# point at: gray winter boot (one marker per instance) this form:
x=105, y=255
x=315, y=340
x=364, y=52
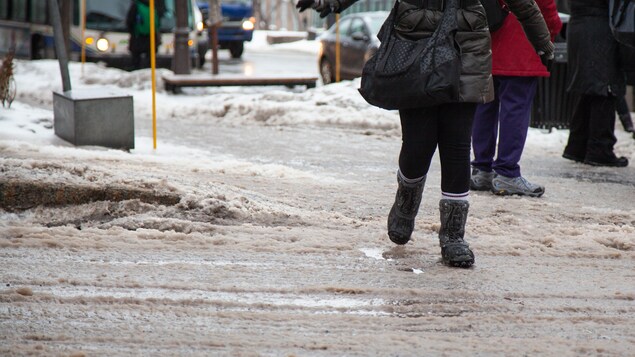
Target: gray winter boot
x=454, y=250
x=401, y=219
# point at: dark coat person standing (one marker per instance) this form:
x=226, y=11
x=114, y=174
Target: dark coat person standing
x=138, y=25
x=598, y=80
x=627, y=61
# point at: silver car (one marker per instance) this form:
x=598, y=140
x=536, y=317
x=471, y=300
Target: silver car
x=358, y=41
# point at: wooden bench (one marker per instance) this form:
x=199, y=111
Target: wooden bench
x=174, y=82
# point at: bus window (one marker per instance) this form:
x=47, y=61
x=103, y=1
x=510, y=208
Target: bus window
x=111, y=15
x=38, y=11
x=107, y=15
x=18, y=10
x=4, y=9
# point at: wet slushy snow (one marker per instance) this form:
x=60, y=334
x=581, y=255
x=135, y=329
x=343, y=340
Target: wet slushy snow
x=278, y=244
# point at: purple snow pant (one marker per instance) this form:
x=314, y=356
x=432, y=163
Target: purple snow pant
x=506, y=118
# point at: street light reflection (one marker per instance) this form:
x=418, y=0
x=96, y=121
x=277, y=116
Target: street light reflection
x=249, y=69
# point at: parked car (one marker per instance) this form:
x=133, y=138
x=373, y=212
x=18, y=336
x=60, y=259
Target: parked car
x=358, y=41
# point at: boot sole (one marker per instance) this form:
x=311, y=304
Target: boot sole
x=398, y=240
x=511, y=193
x=475, y=187
x=606, y=164
x=461, y=262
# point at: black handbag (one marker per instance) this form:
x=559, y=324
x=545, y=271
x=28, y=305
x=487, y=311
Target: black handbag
x=405, y=74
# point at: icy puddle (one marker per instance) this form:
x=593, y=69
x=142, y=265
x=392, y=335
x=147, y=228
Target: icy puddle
x=378, y=253
x=375, y=253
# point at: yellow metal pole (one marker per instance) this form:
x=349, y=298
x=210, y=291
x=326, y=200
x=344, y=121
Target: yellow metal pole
x=153, y=70
x=337, y=47
x=83, y=34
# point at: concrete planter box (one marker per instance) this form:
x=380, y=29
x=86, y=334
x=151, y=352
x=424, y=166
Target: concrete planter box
x=94, y=117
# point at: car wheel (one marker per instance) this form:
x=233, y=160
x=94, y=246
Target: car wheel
x=326, y=72
x=236, y=50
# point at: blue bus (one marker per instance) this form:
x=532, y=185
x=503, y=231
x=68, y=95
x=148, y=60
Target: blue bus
x=237, y=25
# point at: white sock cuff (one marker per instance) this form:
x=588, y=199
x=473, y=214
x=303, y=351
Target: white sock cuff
x=465, y=196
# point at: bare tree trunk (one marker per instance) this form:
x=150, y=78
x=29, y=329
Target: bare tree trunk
x=214, y=19
x=257, y=13
x=181, y=60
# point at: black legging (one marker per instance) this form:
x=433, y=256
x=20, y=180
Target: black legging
x=450, y=127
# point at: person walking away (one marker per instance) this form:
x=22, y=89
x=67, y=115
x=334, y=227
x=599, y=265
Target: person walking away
x=138, y=25
x=627, y=63
x=515, y=69
x=597, y=80
x=447, y=126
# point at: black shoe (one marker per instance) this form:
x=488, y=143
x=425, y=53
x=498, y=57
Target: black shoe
x=573, y=157
x=401, y=219
x=611, y=162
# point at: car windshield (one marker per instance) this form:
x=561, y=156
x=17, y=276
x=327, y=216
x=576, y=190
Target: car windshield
x=375, y=24
x=237, y=2
x=374, y=20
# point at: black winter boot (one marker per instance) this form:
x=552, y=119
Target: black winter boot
x=454, y=250
x=401, y=219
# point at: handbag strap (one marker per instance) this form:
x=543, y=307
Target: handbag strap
x=447, y=25
x=389, y=24
x=448, y=22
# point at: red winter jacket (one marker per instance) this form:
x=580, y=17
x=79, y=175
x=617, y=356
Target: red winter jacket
x=512, y=54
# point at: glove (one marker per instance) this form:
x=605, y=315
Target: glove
x=304, y=4
x=324, y=7
x=546, y=55
x=547, y=60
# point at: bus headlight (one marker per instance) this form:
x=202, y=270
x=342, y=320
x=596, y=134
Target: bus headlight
x=199, y=26
x=103, y=45
x=248, y=25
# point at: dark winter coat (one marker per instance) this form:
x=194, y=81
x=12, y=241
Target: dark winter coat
x=512, y=54
x=594, y=63
x=473, y=38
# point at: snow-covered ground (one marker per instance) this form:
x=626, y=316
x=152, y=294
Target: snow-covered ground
x=276, y=243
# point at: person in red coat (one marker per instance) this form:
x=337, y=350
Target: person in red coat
x=515, y=69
